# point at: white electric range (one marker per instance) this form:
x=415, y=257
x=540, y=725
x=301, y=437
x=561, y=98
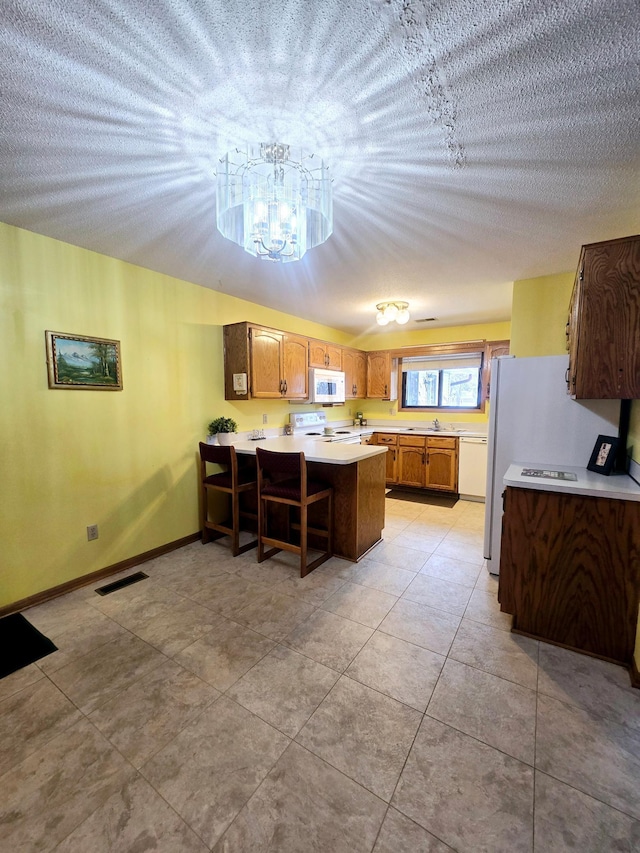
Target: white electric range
x=314, y=425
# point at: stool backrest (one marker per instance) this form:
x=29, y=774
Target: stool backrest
x=281, y=466
x=215, y=453
x=218, y=455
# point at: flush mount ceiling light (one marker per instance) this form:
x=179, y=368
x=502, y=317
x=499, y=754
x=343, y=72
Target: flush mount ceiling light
x=273, y=201
x=389, y=311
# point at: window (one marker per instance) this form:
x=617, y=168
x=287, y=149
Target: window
x=451, y=381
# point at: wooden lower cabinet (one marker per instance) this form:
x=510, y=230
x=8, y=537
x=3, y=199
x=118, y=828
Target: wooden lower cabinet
x=412, y=460
x=570, y=570
x=422, y=462
x=382, y=439
x=442, y=464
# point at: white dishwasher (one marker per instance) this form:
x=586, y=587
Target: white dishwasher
x=472, y=468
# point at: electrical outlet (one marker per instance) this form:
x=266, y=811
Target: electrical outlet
x=264, y=419
x=392, y=411
x=92, y=532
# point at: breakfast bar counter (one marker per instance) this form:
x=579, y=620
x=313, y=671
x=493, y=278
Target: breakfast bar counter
x=357, y=474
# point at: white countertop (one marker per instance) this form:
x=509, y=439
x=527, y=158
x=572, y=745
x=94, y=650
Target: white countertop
x=616, y=486
x=449, y=433
x=333, y=452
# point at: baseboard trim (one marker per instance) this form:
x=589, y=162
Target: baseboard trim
x=634, y=674
x=85, y=580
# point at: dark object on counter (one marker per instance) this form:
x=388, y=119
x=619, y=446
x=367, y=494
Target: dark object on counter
x=604, y=454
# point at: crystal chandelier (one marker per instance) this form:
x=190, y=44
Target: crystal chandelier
x=274, y=202
x=389, y=311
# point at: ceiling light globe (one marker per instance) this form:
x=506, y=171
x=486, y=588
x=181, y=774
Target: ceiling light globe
x=403, y=316
x=391, y=311
x=381, y=318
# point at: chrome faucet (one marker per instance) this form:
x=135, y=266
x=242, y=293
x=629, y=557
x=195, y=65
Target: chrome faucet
x=436, y=424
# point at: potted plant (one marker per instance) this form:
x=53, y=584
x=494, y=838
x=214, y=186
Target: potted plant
x=223, y=428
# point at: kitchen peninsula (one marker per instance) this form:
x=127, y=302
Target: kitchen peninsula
x=357, y=474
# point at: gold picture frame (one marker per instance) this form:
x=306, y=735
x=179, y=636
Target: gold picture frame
x=81, y=362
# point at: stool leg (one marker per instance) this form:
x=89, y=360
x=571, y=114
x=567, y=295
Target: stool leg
x=261, y=528
x=235, y=523
x=204, y=515
x=303, y=539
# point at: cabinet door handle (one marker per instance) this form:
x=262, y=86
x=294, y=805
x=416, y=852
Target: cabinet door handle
x=385, y=390
x=285, y=386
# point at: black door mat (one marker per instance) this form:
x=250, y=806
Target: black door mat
x=21, y=644
x=112, y=587
x=422, y=498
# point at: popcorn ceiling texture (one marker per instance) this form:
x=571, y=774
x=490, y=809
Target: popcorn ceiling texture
x=471, y=142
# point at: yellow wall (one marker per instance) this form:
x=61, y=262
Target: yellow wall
x=122, y=460
x=539, y=315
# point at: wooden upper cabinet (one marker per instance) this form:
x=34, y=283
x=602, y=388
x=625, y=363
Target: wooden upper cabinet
x=295, y=372
x=273, y=363
x=492, y=349
x=266, y=363
x=604, y=322
x=381, y=379
x=354, y=364
x=322, y=354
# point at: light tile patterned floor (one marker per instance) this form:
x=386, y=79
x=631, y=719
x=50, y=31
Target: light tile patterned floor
x=385, y=706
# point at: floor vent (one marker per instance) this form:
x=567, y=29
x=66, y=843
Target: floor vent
x=112, y=587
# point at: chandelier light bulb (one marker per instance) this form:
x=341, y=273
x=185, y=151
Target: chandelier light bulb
x=274, y=200
x=389, y=311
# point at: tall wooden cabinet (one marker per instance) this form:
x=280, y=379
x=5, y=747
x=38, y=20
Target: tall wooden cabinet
x=570, y=570
x=382, y=380
x=273, y=363
x=603, y=329
x=354, y=364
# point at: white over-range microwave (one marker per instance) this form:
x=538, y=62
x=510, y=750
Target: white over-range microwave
x=326, y=386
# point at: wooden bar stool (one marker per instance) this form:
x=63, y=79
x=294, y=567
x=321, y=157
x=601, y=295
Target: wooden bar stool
x=282, y=479
x=233, y=481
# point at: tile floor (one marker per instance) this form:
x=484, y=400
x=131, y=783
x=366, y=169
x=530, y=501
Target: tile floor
x=382, y=707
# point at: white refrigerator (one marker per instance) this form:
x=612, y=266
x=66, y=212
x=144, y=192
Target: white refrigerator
x=533, y=420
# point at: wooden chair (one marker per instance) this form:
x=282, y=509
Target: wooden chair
x=282, y=479
x=233, y=481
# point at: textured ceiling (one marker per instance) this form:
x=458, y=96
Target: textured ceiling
x=471, y=142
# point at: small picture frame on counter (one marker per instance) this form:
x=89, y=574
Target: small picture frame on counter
x=604, y=454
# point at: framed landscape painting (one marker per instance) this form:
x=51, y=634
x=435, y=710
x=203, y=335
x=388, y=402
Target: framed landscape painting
x=81, y=362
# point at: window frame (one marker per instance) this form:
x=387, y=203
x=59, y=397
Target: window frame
x=443, y=350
